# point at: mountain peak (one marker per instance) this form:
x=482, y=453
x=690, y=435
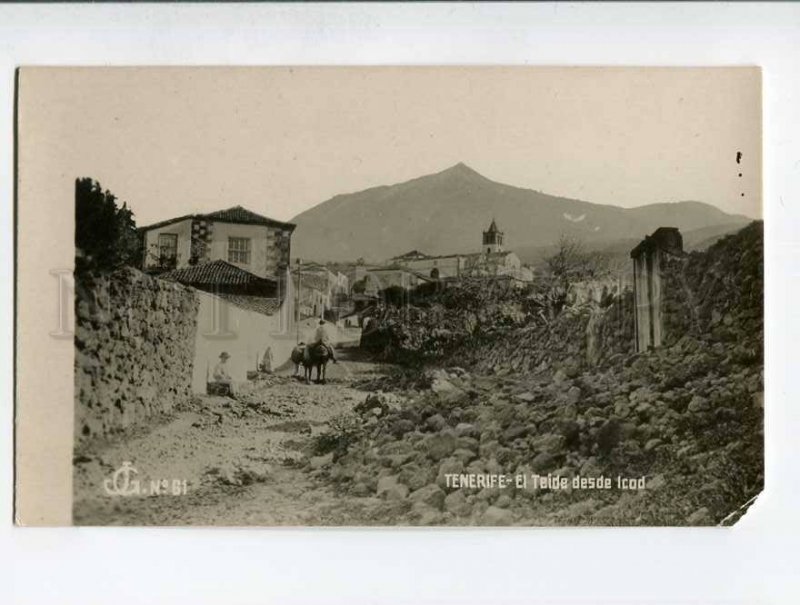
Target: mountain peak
x=447, y=212
x=461, y=169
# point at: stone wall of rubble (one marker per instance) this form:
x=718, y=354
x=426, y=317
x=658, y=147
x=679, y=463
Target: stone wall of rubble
x=134, y=349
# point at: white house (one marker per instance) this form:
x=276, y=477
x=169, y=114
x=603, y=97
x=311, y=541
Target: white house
x=245, y=239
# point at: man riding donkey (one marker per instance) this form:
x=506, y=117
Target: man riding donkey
x=302, y=352
x=321, y=338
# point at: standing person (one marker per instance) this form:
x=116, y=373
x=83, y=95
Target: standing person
x=266, y=361
x=221, y=374
x=322, y=337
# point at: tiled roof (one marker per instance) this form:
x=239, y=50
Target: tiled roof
x=259, y=304
x=236, y=214
x=216, y=273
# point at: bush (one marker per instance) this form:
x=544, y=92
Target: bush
x=345, y=430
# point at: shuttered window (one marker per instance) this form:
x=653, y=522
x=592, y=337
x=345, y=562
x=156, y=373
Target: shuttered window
x=167, y=248
x=239, y=250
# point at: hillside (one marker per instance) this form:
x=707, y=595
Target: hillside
x=694, y=239
x=447, y=211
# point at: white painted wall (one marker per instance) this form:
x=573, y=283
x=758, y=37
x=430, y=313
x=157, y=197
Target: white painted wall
x=261, y=262
x=244, y=335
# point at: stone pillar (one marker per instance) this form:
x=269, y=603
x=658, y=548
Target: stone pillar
x=648, y=259
x=641, y=302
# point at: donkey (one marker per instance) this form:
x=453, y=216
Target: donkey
x=317, y=356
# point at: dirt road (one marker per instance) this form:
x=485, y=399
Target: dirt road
x=222, y=461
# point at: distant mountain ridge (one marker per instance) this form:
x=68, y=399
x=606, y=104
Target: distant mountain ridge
x=446, y=212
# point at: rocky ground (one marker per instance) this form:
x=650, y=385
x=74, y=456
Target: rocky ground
x=683, y=422
x=374, y=446
x=692, y=451
x=245, y=462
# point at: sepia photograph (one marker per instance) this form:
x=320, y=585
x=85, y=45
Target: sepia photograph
x=410, y=296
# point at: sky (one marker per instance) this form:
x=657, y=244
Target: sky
x=173, y=141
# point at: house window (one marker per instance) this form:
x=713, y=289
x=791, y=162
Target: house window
x=239, y=250
x=167, y=249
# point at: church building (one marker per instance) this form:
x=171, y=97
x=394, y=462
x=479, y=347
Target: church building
x=493, y=239
x=492, y=261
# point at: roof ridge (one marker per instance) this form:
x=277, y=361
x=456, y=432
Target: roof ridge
x=234, y=214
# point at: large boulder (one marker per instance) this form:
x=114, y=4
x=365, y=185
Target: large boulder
x=438, y=446
x=456, y=503
x=430, y=495
x=390, y=488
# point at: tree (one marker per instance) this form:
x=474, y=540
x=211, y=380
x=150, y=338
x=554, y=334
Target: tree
x=570, y=264
x=105, y=233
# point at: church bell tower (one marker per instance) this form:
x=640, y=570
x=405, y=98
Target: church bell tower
x=492, y=239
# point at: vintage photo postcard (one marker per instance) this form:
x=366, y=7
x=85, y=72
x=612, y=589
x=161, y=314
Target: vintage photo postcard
x=389, y=296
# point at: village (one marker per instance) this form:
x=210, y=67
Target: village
x=242, y=263
x=471, y=365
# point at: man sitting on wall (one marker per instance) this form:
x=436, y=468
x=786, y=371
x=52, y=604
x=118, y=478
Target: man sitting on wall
x=222, y=376
x=322, y=337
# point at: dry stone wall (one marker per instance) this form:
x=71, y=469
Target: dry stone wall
x=134, y=349
x=583, y=335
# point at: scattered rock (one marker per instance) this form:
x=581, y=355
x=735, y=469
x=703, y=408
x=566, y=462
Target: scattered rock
x=543, y=462
x=431, y=495
x=436, y=422
x=496, y=516
x=574, y=394
x=439, y=446
x=700, y=517
x=465, y=429
x=698, y=404
x=652, y=444
x=503, y=501
x=656, y=482
x=390, y=488
x=318, y=462
x=456, y=503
